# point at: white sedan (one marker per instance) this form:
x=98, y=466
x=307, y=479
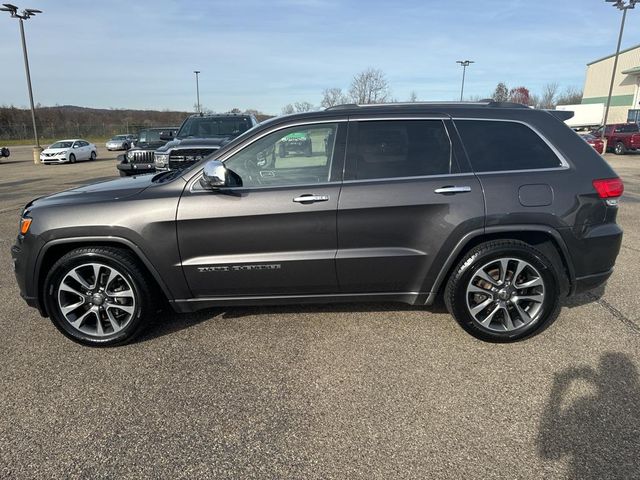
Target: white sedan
x=69, y=151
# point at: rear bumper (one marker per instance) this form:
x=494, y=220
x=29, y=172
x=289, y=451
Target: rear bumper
x=593, y=254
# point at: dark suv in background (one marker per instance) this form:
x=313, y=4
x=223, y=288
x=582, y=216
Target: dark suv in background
x=199, y=136
x=499, y=209
x=139, y=159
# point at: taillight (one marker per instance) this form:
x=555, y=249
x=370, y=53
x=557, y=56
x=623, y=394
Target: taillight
x=610, y=189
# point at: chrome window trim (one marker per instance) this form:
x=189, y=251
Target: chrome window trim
x=419, y=177
x=564, y=163
x=196, y=188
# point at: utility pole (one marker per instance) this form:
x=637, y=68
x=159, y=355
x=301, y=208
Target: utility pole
x=25, y=15
x=623, y=5
x=197, y=72
x=464, y=64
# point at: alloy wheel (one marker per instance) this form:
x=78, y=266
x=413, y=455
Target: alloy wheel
x=96, y=299
x=505, y=294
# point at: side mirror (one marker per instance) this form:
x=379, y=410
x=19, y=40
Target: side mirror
x=214, y=175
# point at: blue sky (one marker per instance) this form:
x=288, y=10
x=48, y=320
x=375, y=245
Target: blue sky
x=265, y=54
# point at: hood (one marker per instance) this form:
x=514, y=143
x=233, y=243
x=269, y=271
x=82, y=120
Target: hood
x=97, y=192
x=55, y=150
x=147, y=145
x=212, y=142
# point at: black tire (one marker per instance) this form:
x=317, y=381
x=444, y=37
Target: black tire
x=308, y=151
x=125, y=146
x=72, y=158
x=110, y=257
x=456, y=296
x=124, y=173
x=93, y=155
x=620, y=149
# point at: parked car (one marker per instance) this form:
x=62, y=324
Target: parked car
x=139, y=159
x=595, y=142
x=4, y=152
x=199, y=136
x=621, y=137
x=298, y=142
x=69, y=151
x=120, y=142
x=499, y=209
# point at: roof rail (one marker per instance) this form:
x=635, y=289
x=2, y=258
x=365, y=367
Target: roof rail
x=481, y=103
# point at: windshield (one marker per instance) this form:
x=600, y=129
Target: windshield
x=148, y=136
x=119, y=137
x=61, y=145
x=209, y=127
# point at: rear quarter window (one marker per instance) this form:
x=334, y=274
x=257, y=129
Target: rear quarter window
x=494, y=146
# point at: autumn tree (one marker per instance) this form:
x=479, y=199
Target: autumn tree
x=570, y=96
x=548, y=97
x=519, y=95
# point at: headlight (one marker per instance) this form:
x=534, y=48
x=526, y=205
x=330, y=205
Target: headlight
x=161, y=158
x=130, y=155
x=62, y=153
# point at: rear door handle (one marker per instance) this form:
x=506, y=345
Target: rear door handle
x=310, y=198
x=452, y=189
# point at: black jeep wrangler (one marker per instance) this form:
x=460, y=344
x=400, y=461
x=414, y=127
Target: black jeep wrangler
x=139, y=159
x=199, y=136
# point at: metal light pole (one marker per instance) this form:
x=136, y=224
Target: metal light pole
x=623, y=5
x=197, y=72
x=25, y=15
x=464, y=64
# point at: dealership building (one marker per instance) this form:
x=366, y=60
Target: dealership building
x=625, y=99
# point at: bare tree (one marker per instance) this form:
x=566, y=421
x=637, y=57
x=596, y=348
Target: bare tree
x=501, y=93
x=297, y=107
x=570, y=96
x=332, y=97
x=413, y=96
x=548, y=97
x=288, y=109
x=370, y=86
x=303, y=106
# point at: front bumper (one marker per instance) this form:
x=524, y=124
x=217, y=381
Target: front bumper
x=136, y=168
x=23, y=270
x=53, y=159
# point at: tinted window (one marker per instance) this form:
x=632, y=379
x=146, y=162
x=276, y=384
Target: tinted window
x=402, y=148
x=495, y=146
x=293, y=156
x=208, y=127
x=629, y=128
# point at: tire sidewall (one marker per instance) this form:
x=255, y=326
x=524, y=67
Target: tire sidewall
x=52, y=282
x=459, y=303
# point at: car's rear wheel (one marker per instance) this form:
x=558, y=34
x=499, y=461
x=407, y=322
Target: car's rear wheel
x=93, y=155
x=72, y=158
x=620, y=149
x=98, y=296
x=503, y=291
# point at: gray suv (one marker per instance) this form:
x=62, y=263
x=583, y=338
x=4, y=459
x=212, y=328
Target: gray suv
x=497, y=209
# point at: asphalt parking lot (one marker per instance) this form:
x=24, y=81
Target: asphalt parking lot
x=377, y=391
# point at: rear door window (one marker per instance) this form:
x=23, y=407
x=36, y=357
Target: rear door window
x=494, y=146
x=401, y=148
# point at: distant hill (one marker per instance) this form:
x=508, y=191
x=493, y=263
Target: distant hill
x=72, y=120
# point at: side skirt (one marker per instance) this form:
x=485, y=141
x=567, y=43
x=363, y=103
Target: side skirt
x=194, y=304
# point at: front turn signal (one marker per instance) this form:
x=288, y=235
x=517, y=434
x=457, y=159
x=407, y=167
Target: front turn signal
x=25, y=223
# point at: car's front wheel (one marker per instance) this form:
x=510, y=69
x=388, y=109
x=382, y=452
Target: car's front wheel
x=93, y=155
x=72, y=158
x=503, y=291
x=620, y=149
x=98, y=296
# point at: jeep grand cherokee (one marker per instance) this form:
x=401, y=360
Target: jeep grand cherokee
x=497, y=208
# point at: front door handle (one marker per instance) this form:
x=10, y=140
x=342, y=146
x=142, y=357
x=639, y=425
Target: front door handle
x=310, y=198
x=452, y=189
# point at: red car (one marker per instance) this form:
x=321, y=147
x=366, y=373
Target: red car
x=595, y=142
x=621, y=137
